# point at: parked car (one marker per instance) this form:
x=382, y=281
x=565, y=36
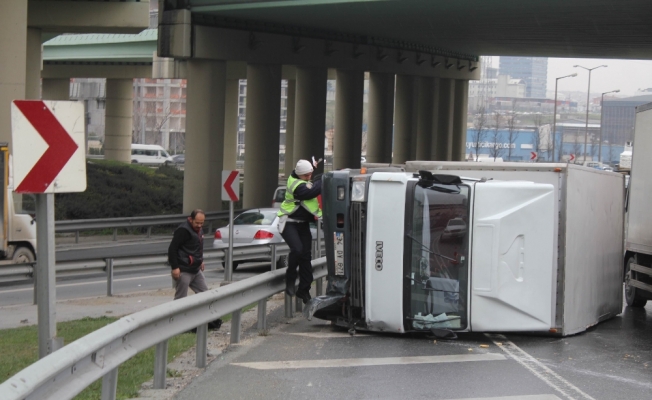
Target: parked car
x=179, y=159
x=254, y=227
x=149, y=154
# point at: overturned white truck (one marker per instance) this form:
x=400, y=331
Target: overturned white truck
x=472, y=247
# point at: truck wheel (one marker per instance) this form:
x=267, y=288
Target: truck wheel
x=23, y=255
x=632, y=297
x=282, y=262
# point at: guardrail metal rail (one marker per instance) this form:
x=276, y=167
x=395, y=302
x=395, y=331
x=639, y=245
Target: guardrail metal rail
x=69, y=370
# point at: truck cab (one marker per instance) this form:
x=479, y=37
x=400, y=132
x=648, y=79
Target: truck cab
x=18, y=228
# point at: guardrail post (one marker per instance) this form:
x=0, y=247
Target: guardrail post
x=288, y=306
x=235, y=326
x=262, y=314
x=115, y=234
x=149, y=231
x=35, y=287
x=202, y=346
x=320, y=287
x=160, y=364
x=110, y=385
x=76, y=237
x=298, y=304
x=273, y=256
x=109, y=277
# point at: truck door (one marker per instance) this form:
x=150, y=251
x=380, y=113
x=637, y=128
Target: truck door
x=512, y=257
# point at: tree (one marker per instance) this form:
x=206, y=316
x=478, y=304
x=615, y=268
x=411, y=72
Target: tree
x=512, y=132
x=479, y=126
x=496, y=149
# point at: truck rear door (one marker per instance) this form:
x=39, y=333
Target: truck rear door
x=512, y=257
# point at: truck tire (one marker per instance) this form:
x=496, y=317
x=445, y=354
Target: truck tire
x=23, y=255
x=632, y=297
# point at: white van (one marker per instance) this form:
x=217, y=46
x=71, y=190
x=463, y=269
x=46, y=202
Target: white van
x=150, y=154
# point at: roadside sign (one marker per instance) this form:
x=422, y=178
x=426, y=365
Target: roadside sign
x=571, y=158
x=48, y=146
x=533, y=155
x=230, y=185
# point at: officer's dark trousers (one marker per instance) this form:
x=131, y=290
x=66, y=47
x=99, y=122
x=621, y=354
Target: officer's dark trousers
x=298, y=237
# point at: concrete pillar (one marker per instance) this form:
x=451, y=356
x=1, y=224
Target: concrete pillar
x=205, y=105
x=262, y=134
x=405, y=114
x=13, y=43
x=424, y=118
x=289, y=128
x=444, y=137
x=56, y=89
x=381, y=117
x=231, y=123
x=347, y=140
x=310, y=115
x=33, y=71
x=118, y=120
x=459, y=119
x=435, y=118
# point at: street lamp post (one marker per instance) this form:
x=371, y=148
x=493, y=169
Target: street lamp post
x=554, y=119
x=588, y=93
x=602, y=122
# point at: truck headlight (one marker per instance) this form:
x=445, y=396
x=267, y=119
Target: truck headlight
x=358, y=190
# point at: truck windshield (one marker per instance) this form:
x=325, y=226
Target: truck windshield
x=438, y=252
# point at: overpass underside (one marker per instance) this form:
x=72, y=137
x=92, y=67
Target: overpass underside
x=418, y=56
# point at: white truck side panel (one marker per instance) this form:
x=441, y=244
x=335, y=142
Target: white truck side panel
x=386, y=227
x=588, y=233
x=639, y=229
x=511, y=258
x=593, y=272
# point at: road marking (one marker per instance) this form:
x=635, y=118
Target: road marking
x=325, y=335
x=526, y=397
x=369, y=362
x=552, y=379
x=103, y=282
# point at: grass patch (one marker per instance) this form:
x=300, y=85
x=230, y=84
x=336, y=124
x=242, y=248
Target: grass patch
x=19, y=349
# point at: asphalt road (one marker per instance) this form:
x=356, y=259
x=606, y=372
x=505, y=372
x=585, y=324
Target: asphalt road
x=311, y=359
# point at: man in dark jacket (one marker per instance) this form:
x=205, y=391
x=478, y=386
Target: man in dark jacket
x=186, y=255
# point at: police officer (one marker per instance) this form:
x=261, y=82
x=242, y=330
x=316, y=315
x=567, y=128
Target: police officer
x=299, y=208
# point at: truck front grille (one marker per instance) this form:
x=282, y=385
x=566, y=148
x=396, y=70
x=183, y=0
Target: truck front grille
x=358, y=233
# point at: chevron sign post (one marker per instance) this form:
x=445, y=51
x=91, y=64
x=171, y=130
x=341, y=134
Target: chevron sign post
x=48, y=154
x=230, y=193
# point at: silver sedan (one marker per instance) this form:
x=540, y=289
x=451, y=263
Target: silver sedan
x=254, y=227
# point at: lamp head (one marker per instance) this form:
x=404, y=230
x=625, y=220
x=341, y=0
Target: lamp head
x=617, y=91
x=574, y=75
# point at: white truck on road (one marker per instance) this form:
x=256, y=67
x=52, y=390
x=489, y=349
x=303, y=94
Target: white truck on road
x=18, y=227
x=537, y=248
x=638, y=237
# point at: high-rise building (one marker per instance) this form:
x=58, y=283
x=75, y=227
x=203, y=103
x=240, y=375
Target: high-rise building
x=532, y=70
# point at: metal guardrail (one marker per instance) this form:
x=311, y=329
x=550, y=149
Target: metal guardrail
x=133, y=222
x=66, y=372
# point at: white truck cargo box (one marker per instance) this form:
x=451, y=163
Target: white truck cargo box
x=586, y=275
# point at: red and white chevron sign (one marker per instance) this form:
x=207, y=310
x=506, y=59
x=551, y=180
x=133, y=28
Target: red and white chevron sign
x=230, y=185
x=48, y=146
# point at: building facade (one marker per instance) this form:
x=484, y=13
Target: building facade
x=532, y=70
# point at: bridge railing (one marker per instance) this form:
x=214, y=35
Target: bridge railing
x=68, y=371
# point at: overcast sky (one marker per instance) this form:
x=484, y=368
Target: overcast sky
x=626, y=75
